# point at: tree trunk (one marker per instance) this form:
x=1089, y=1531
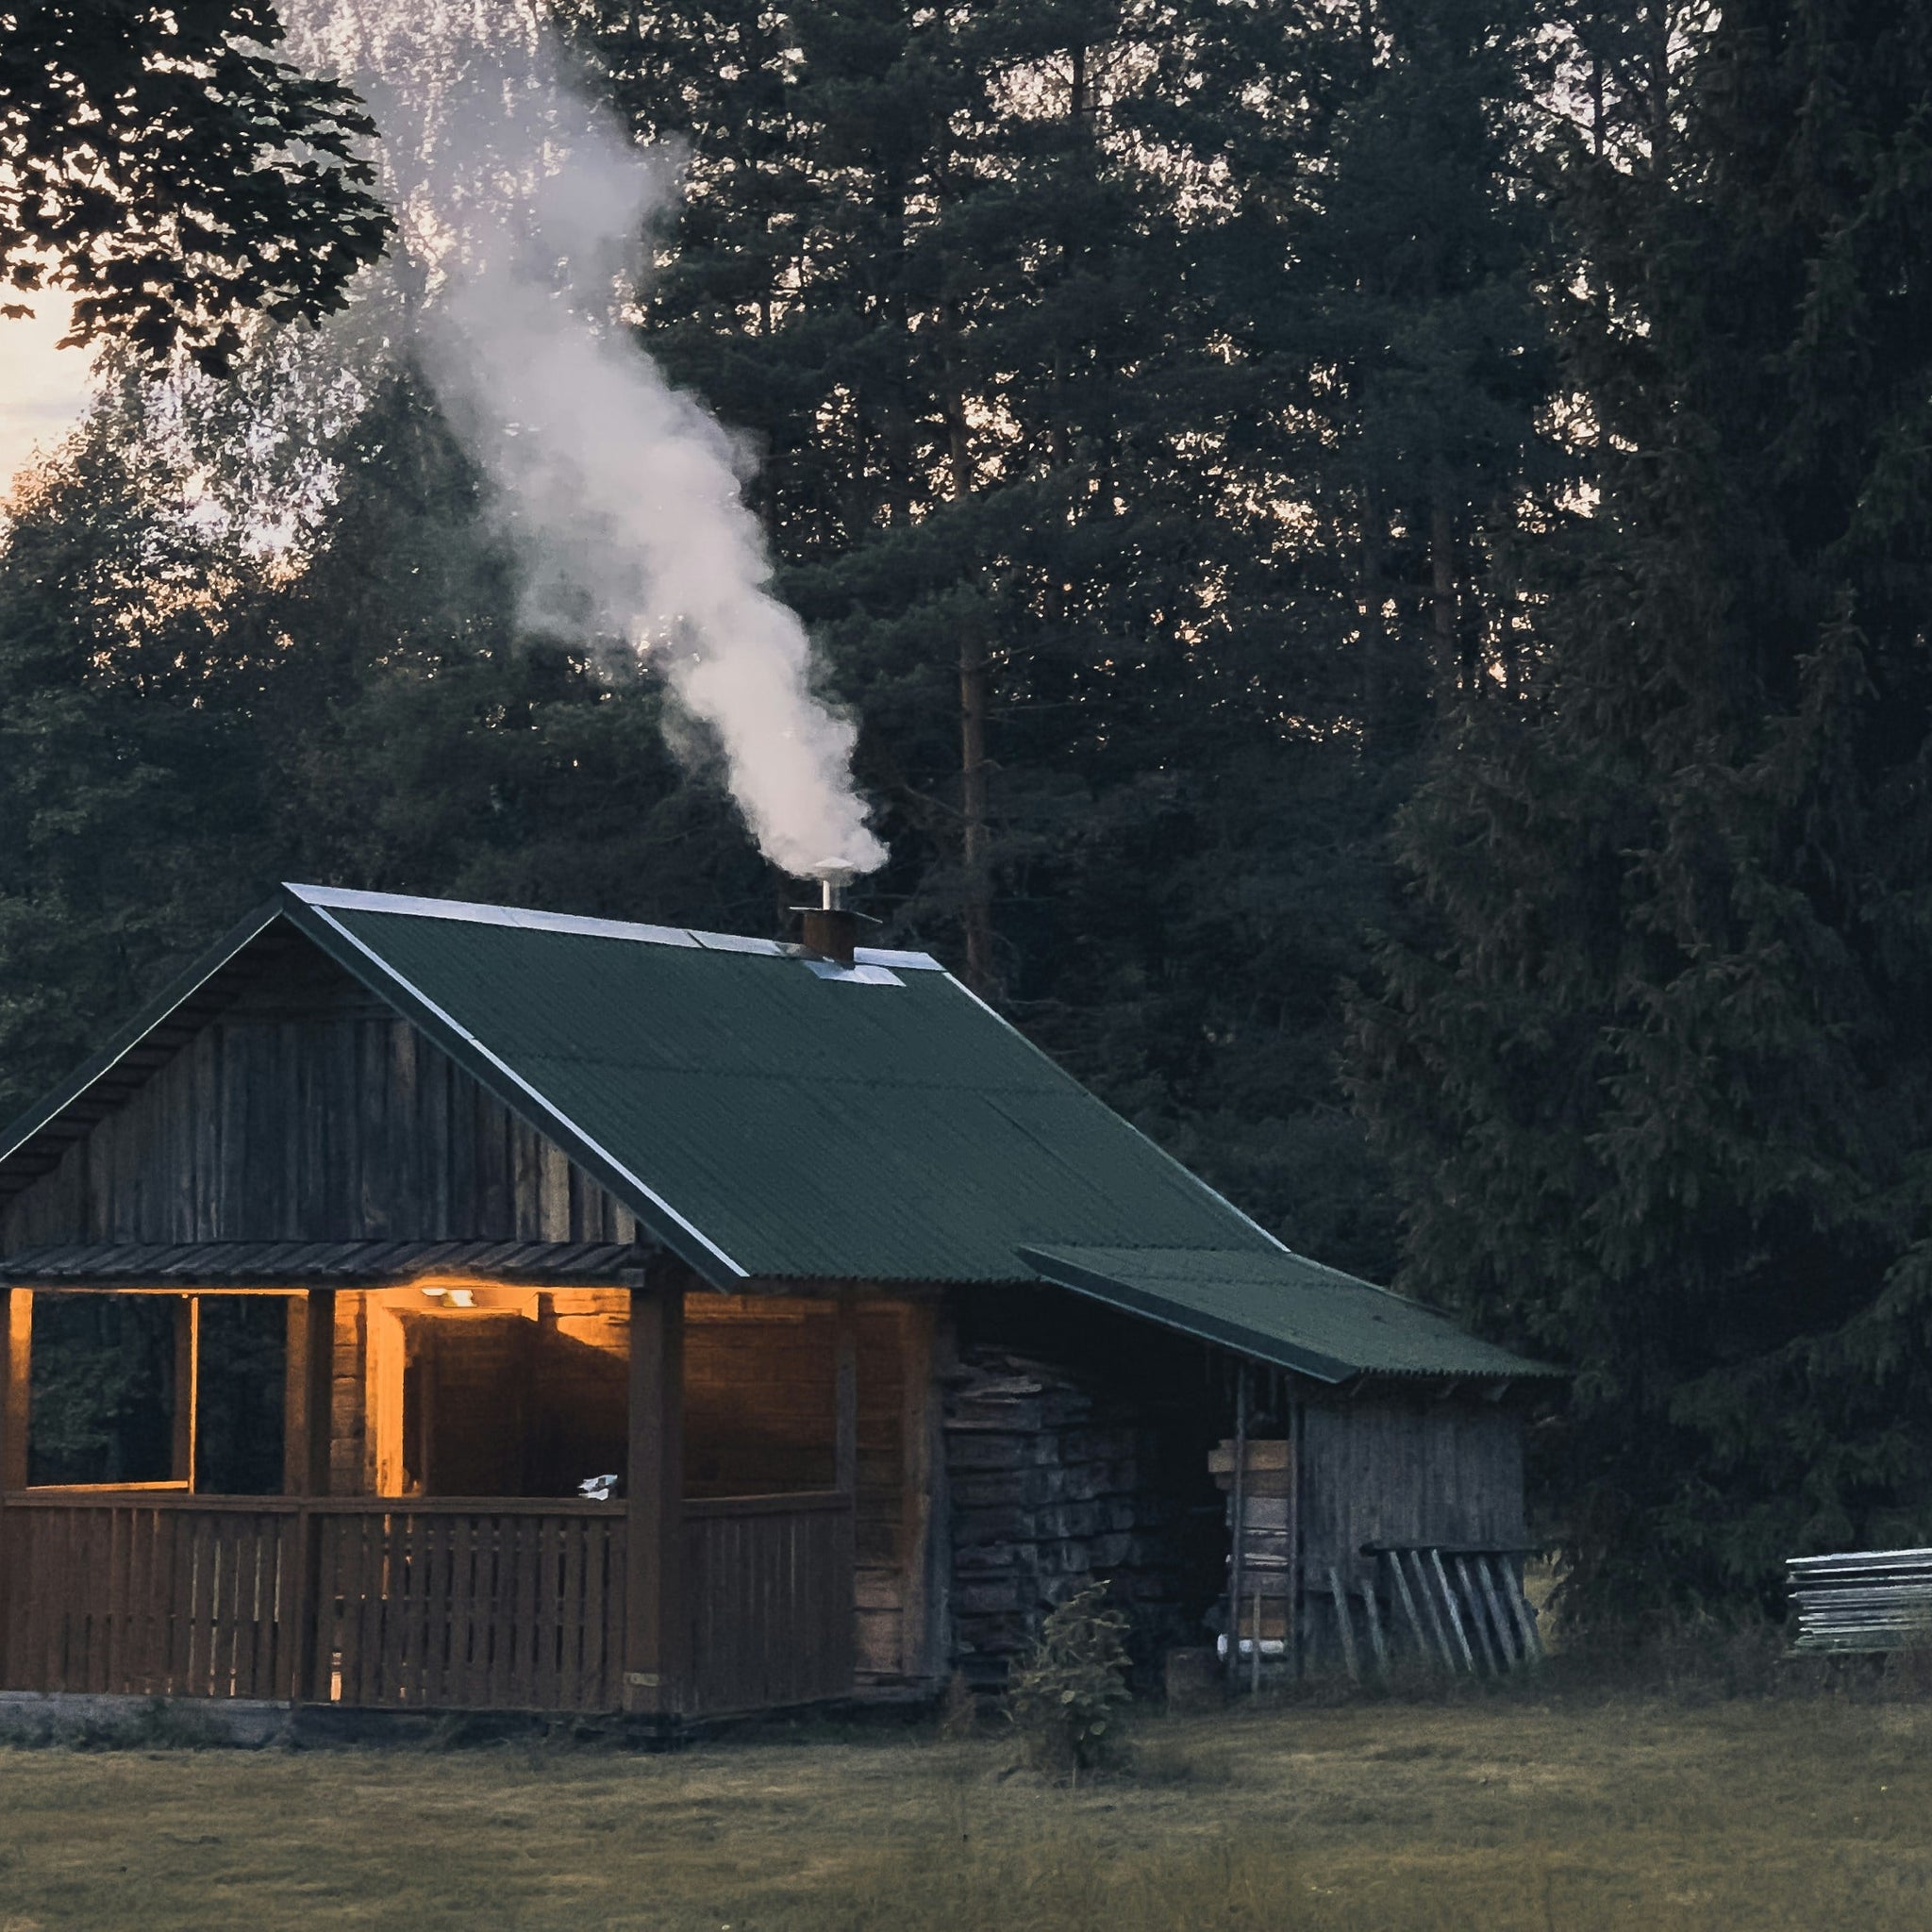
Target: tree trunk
x=1374, y=599
x=1443, y=584
x=976, y=907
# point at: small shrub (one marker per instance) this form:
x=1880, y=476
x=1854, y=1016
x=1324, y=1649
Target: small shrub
x=1063, y=1696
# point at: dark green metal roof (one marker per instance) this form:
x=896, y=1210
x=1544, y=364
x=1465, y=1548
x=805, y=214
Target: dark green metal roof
x=1280, y=1307
x=767, y=1115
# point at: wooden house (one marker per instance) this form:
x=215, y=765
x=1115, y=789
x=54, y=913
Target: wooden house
x=887, y=1331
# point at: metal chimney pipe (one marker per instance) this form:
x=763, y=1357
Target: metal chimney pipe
x=830, y=930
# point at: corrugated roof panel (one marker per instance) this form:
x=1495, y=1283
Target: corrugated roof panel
x=808, y=1126
x=1281, y=1307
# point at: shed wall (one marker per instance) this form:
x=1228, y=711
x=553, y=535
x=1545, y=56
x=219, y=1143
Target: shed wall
x=1406, y=1470
x=306, y=1110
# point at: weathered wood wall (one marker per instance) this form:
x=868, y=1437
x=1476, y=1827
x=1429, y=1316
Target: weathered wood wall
x=306, y=1110
x=760, y=1415
x=1406, y=1469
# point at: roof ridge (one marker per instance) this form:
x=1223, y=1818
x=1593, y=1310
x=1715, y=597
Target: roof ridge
x=582, y=925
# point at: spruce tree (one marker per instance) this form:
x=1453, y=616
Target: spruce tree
x=1655, y=1080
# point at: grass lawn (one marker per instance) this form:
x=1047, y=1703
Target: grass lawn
x=1812, y=1812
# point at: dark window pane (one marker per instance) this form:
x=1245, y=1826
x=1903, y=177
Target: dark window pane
x=244, y=1343
x=102, y=1383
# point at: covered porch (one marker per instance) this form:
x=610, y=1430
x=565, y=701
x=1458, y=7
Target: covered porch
x=414, y=1539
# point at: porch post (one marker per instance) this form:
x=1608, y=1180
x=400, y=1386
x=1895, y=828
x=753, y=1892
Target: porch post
x=308, y=1407
x=16, y=1361
x=845, y=1371
x=16, y=1342
x=845, y=1472
x=655, y=1664
x=307, y=1393
x=187, y=1386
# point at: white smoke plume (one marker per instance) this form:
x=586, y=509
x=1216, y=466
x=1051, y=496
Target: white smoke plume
x=531, y=209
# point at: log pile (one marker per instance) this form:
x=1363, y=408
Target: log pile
x=1047, y=1493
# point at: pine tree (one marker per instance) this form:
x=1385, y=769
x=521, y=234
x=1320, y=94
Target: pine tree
x=131, y=821
x=1656, y=1082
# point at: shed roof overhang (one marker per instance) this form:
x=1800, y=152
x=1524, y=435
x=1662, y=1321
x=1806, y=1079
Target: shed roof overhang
x=1285, y=1310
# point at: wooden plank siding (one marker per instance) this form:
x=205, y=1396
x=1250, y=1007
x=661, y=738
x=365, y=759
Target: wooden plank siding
x=1406, y=1470
x=306, y=1111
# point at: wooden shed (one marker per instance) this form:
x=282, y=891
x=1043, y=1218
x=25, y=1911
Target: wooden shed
x=557, y=1314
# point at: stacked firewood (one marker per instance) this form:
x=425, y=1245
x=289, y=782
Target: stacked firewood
x=1260, y=1561
x=1046, y=1496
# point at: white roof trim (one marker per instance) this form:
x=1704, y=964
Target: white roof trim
x=342, y=899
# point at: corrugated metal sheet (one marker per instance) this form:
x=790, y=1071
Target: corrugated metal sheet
x=310, y=1265
x=1282, y=1309
x=802, y=1125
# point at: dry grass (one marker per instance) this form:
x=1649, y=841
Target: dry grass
x=1794, y=1812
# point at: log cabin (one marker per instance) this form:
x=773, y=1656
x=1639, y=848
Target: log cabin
x=532, y=1312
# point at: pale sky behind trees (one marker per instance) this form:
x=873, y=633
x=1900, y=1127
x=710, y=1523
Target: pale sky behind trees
x=42, y=389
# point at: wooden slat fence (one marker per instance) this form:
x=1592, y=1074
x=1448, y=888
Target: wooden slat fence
x=485, y=1605
x=769, y=1586
x=153, y=1595
x=415, y=1605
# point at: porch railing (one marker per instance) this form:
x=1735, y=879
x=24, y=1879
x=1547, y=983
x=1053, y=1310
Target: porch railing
x=414, y=1604
x=768, y=1584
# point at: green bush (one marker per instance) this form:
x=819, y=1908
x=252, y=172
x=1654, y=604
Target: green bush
x=1062, y=1697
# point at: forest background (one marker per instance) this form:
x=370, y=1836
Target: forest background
x=1378, y=551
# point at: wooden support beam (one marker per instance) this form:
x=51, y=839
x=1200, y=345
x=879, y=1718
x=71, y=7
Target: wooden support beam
x=1505, y=1636
x=1519, y=1610
x=1345, y=1623
x=845, y=1376
x=307, y=1405
x=1415, y=1622
x=1428, y=1603
x=922, y=1653
x=16, y=1361
x=1455, y=1615
x=187, y=1386
x=1468, y=1593
x=845, y=1458
x=307, y=1393
x=16, y=1384
x=1238, y=1518
x=655, y=1666
x=1373, y=1611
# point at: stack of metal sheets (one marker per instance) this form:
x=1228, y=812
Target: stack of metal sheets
x=1864, y=1600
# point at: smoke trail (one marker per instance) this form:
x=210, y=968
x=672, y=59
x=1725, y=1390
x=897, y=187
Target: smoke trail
x=620, y=493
